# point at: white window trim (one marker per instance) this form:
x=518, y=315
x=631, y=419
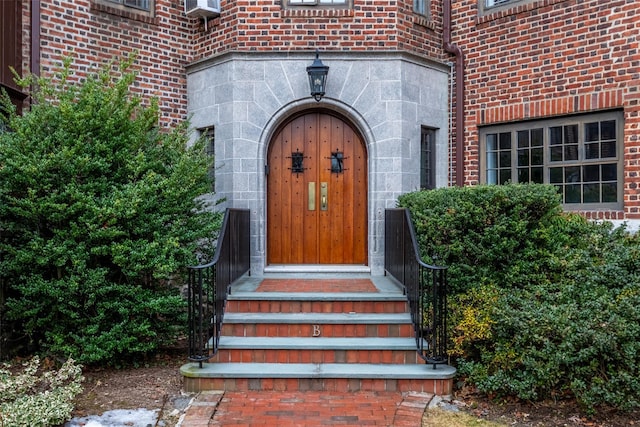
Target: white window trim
x=486, y=7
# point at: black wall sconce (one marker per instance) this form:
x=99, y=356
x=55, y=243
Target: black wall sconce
x=317, y=77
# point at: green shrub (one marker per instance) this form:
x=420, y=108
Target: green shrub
x=543, y=303
x=485, y=234
x=34, y=398
x=99, y=209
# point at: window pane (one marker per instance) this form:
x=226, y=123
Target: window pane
x=608, y=130
x=592, y=132
x=505, y=141
x=571, y=152
x=555, y=175
x=419, y=6
x=536, y=137
x=610, y=172
x=505, y=176
x=537, y=175
x=609, y=192
x=571, y=134
x=427, y=158
x=523, y=175
x=523, y=157
x=139, y=4
x=492, y=160
x=572, y=193
x=591, y=151
x=556, y=154
x=505, y=159
x=537, y=157
x=608, y=149
x=591, y=193
x=523, y=138
x=555, y=135
x=572, y=174
x=591, y=173
x=492, y=142
x=492, y=176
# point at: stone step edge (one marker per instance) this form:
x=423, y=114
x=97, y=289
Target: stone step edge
x=317, y=370
x=317, y=296
x=317, y=318
x=319, y=343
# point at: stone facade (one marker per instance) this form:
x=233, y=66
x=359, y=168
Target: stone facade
x=387, y=97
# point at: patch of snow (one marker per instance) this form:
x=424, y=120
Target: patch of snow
x=118, y=418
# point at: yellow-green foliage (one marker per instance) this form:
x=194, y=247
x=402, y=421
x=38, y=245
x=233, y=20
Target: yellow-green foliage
x=471, y=318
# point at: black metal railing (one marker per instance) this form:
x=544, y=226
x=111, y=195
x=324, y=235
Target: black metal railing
x=425, y=286
x=209, y=284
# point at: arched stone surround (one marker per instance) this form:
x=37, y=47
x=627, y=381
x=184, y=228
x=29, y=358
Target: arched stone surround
x=387, y=96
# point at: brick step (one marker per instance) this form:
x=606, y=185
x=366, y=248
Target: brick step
x=338, y=325
x=318, y=377
x=275, y=302
x=316, y=350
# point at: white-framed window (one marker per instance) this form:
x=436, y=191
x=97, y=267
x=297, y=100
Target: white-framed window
x=490, y=6
x=582, y=156
x=317, y=2
x=421, y=7
x=146, y=5
x=491, y=3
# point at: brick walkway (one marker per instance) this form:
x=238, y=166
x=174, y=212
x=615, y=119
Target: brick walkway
x=310, y=408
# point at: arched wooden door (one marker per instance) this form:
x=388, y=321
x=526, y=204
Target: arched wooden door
x=317, y=193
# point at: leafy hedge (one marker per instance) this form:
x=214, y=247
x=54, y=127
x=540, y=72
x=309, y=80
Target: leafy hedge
x=99, y=208
x=544, y=303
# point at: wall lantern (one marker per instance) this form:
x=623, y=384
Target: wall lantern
x=317, y=77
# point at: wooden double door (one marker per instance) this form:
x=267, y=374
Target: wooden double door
x=317, y=193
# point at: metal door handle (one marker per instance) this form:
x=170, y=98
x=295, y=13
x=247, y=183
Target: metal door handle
x=311, y=202
x=323, y=196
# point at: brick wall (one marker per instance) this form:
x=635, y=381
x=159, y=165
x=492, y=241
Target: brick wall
x=552, y=57
x=250, y=25
x=94, y=33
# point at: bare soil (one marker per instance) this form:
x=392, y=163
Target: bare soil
x=156, y=384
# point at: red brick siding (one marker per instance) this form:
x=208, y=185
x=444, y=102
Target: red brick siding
x=94, y=34
x=250, y=25
x=551, y=57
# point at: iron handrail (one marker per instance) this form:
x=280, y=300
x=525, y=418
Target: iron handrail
x=425, y=286
x=210, y=283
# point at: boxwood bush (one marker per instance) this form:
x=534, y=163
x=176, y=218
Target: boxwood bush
x=99, y=210
x=543, y=303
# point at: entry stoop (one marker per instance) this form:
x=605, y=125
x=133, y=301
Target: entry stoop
x=320, y=333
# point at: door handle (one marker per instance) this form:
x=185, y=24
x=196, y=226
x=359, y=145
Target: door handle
x=324, y=196
x=311, y=202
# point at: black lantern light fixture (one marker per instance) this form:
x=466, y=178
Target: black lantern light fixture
x=317, y=77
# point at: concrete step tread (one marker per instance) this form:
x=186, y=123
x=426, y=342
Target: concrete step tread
x=317, y=296
x=319, y=343
x=318, y=318
x=315, y=370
